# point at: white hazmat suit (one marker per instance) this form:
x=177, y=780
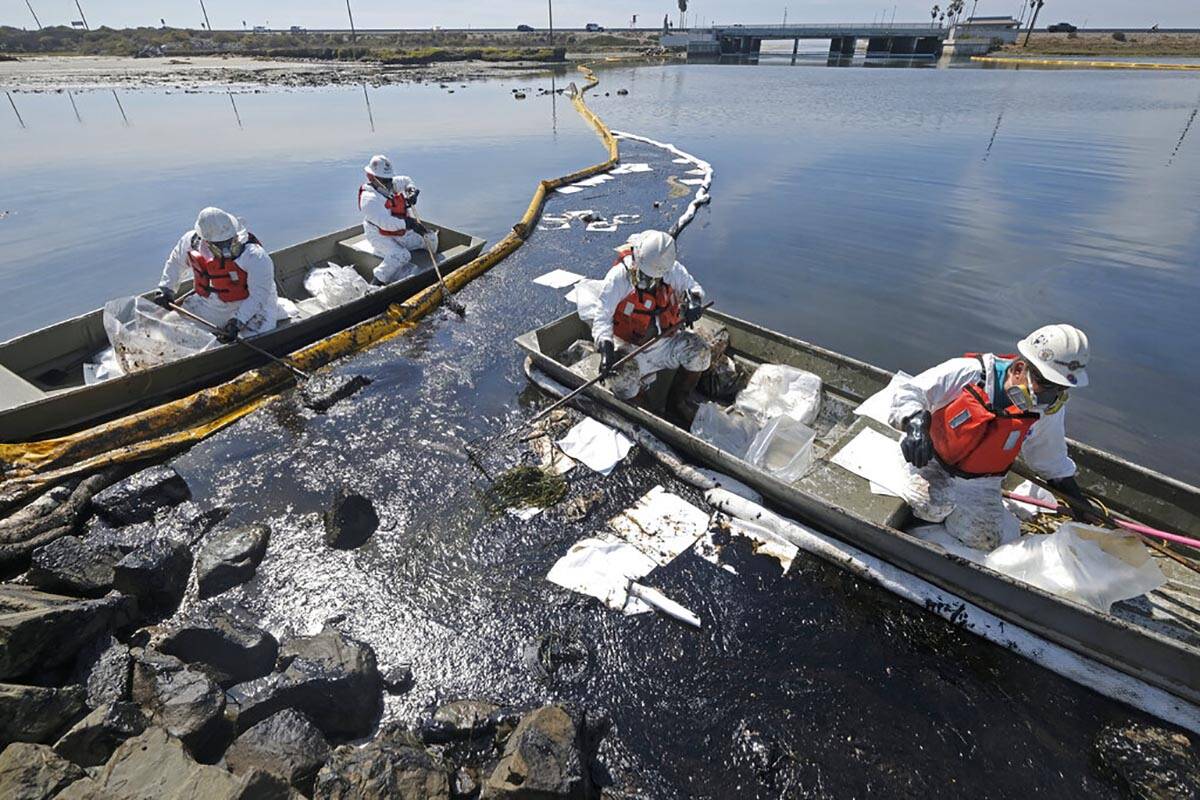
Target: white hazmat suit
x=258, y=313
x=972, y=508
x=389, y=235
x=684, y=349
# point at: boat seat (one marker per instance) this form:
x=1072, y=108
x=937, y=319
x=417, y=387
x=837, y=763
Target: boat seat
x=851, y=491
x=15, y=390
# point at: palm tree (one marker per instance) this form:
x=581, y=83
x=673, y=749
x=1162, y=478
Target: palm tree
x=934, y=12
x=1036, y=5
x=682, y=11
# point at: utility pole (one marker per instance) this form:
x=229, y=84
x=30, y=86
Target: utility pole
x=31, y=11
x=1037, y=9
x=550, y=5
x=81, y=16
x=353, y=35
x=205, y=10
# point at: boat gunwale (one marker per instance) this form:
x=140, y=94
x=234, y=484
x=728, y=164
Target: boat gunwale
x=798, y=500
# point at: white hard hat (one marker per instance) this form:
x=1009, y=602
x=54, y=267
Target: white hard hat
x=1059, y=352
x=380, y=167
x=215, y=225
x=653, y=253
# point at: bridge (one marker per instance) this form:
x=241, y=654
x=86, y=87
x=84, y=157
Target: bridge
x=882, y=39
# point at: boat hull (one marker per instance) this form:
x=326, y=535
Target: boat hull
x=1148, y=655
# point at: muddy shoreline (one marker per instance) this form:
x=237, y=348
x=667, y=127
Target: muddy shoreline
x=39, y=74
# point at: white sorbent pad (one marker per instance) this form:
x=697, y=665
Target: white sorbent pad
x=569, y=189
x=692, y=181
x=660, y=524
x=627, y=169
x=876, y=457
x=558, y=279
x=603, y=569
x=595, y=445
x=601, y=226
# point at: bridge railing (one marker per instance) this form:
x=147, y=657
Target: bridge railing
x=862, y=28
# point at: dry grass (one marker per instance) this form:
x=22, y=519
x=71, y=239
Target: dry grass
x=1137, y=43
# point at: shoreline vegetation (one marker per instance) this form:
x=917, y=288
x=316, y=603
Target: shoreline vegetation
x=1127, y=43
x=406, y=47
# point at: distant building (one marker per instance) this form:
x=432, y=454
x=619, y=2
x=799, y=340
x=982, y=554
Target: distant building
x=1005, y=29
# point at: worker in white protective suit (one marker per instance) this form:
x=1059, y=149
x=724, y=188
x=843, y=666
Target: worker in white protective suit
x=385, y=200
x=648, y=292
x=233, y=277
x=965, y=422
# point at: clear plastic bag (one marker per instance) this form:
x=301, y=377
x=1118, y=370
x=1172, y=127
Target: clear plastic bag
x=1094, y=566
x=730, y=431
x=783, y=449
x=776, y=389
x=334, y=285
x=143, y=335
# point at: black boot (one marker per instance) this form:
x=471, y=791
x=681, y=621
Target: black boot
x=680, y=408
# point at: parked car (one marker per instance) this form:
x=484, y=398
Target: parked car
x=1062, y=27
x=593, y=27
x=525, y=28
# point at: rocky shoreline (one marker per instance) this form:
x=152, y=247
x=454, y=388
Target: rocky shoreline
x=109, y=690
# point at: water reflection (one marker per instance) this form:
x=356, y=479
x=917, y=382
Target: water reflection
x=370, y=113
x=13, y=103
x=120, y=107
x=74, y=107
x=236, y=115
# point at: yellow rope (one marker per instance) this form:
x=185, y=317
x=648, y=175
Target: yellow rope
x=28, y=467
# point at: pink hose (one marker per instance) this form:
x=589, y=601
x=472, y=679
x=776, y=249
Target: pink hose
x=1136, y=527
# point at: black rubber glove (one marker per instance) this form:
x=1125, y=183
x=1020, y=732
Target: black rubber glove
x=411, y=197
x=608, y=358
x=417, y=227
x=164, y=297
x=916, y=443
x=1072, y=492
x=692, y=313
x=229, y=333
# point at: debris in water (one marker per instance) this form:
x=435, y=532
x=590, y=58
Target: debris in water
x=320, y=394
x=525, y=486
x=622, y=92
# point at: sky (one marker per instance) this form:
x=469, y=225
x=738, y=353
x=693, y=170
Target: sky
x=567, y=13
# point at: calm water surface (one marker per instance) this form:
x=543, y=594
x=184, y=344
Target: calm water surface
x=901, y=216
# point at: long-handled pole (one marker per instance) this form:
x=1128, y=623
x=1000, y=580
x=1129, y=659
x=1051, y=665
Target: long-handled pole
x=299, y=373
x=447, y=298
x=1136, y=527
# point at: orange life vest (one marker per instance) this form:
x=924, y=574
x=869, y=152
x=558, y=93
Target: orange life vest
x=397, y=205
x=219, y=276
x=974, y=436
x=641, y=314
